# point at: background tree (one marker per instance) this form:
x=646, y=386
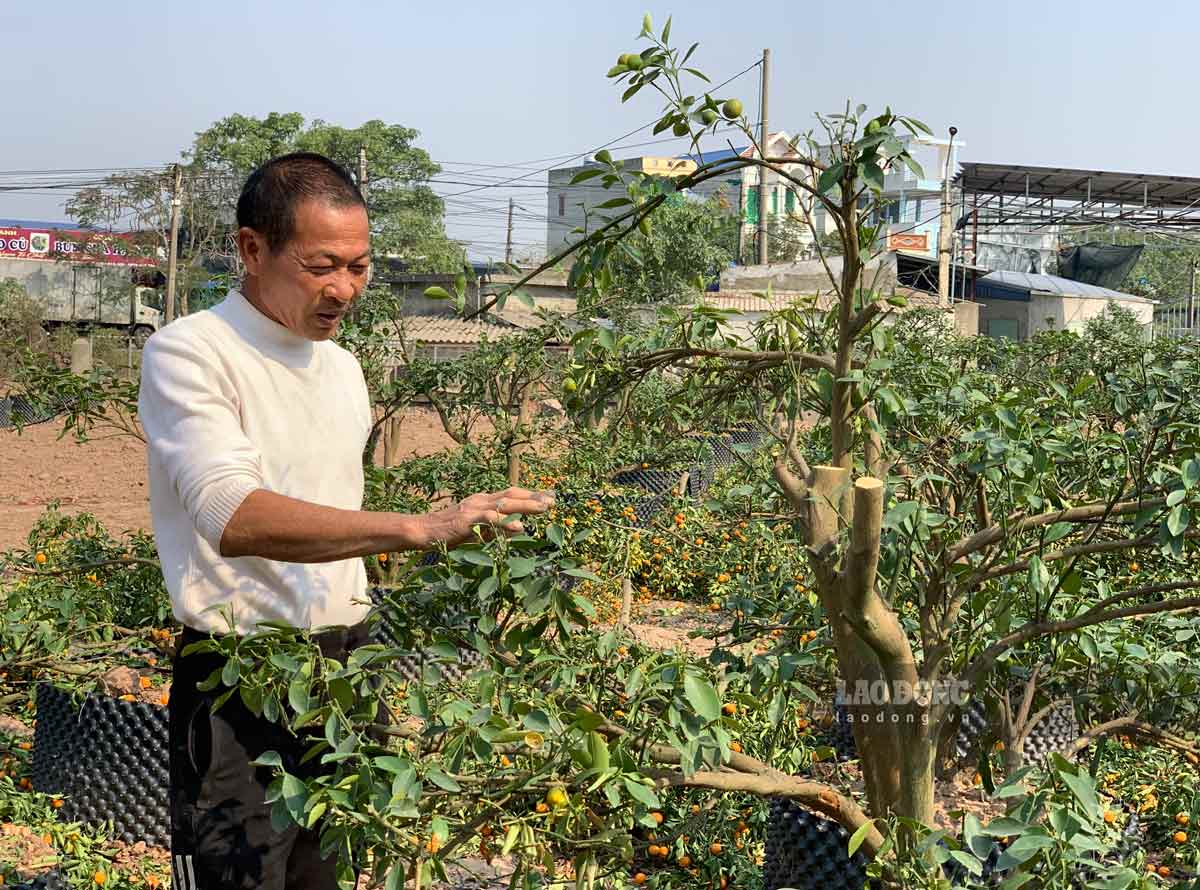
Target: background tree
x=406, y=214
x=675, y=257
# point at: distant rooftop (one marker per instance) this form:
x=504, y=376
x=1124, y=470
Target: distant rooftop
x=43, y=224
x=1053, y=284
x=719, y=154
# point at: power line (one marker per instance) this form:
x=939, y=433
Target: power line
x=608, y=144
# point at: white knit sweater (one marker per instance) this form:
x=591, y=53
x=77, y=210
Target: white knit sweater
x=232, y=402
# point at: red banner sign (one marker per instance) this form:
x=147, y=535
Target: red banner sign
x=908, y=241
x=72, y=246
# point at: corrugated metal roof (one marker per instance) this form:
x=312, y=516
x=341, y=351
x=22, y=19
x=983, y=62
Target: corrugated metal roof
x=1136, y=189
x=1063, y=287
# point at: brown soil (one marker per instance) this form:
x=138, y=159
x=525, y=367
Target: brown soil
x=108, y=477
x=25, y=848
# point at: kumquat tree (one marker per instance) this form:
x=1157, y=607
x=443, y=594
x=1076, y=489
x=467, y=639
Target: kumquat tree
x=943, y=589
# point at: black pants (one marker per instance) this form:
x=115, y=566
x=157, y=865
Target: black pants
x=221, y=833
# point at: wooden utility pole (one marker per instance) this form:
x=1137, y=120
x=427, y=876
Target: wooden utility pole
x=173, y=245
x=762, y=172
x=945, y=230
x=508, y=239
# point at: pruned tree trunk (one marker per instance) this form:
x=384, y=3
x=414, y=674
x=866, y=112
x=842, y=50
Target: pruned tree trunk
x=518, y=447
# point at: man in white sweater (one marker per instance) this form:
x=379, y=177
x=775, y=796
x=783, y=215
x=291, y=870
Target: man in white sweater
x=256, y=422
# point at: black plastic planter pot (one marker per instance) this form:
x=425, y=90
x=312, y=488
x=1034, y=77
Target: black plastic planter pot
x=108, y=759
x=652, y=481
x=1052, y=734
x=413, y=666
x=805, y=851
x=51, y=880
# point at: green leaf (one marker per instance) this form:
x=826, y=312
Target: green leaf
x=1191, y=473
x=586, y=174
x=267, y=758
x=830, y=177
x=391, y=764
x=860, y=835
x=603, y=157
x=642, y=794
x=606, y=339
x=1178, y=520
x=1089, y=647
x=520, y=566
x=632, y=91
x=1023, y=849
x=901, y=513
x=475, y=557
x=647, y=25
x=437, y=293
x=1084, y=791
x=702, y=697
x=872, y=175
x=613, y=202
x=443, y=781
x=666, y=31
x=294, y=796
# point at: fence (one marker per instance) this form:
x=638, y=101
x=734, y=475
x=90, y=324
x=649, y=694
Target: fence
x=1177, y=319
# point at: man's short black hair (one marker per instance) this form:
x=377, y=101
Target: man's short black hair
x=272, y=192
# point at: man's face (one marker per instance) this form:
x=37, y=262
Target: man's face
x=308, y=285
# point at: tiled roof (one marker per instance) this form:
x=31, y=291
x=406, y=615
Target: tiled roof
x=455, y=330
x=445, y=328
x=757, y=301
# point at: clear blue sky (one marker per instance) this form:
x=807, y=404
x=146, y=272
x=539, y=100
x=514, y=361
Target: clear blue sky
x=1096, y=84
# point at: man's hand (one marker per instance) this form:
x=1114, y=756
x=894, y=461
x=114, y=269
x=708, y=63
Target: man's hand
x=485, y=513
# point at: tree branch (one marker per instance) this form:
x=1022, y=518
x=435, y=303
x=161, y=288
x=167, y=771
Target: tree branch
x=984, y=661
x=1015, y=526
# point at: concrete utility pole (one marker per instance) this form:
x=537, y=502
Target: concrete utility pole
x=1191, y=302
x=173, y=245
x=362, y=190
x=945, y=230
x=762, y=173
x=508, y=239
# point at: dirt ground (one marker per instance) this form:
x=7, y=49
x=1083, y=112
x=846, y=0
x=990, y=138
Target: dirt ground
x=108, y=477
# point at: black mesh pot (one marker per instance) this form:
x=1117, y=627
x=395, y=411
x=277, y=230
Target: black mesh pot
x=1053, y=733
x=412, y=665
x=972, y=727
x=805, y=851
x=653, y=481
x=839, y=735
x=109, y=760
x=50, y=880
x=700, y=478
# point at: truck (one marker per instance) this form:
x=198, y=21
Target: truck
x=84, y=279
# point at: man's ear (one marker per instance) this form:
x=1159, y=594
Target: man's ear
x=253, y=248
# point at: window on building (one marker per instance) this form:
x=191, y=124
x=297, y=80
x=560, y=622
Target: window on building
x=774, y=202
x=752, y=205
x=562, y=205
x=789, y=201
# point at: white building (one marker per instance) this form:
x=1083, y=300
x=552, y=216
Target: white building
x=571, y=208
